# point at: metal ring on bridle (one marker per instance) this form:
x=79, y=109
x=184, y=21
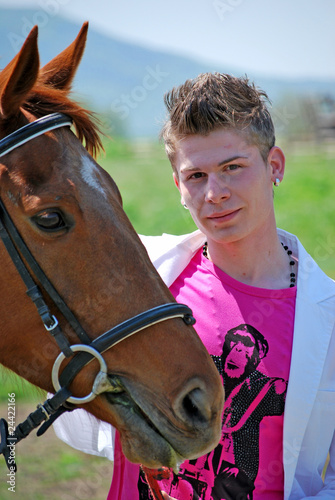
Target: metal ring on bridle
x=102, y=372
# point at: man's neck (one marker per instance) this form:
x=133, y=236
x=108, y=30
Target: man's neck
x=260, y=262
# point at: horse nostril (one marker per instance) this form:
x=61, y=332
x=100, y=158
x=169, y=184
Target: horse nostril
x=193, y=406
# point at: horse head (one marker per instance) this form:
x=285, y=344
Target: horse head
x=166, y=397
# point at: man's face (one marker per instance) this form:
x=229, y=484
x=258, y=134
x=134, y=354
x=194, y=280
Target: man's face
x=226, y=185
x=242, y=349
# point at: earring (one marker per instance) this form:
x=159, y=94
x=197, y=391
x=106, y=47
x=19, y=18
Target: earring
x=277, y=182
x=185, y=206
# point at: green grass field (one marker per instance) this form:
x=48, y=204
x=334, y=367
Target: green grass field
x=304, y=205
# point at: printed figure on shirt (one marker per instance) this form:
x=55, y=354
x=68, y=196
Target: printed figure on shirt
x=230, y=470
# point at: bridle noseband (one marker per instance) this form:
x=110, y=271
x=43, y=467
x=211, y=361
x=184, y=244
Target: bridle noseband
x=87, y=350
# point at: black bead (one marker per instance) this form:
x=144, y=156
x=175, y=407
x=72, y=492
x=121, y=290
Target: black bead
x=292, y=263
x=204, y=250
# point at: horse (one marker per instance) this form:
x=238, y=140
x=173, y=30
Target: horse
x=92, y=277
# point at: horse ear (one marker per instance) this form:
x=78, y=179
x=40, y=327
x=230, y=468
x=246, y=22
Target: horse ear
x=19, y=76
x=60, y=71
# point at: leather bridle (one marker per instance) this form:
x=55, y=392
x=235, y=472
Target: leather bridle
x=87, y=349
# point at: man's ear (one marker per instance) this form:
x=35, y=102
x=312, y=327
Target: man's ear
x=175, y=180
x=276, y=161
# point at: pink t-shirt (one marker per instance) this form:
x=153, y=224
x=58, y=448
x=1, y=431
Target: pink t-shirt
x=248, y=331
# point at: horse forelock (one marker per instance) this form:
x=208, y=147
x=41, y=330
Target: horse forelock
x=44, y=99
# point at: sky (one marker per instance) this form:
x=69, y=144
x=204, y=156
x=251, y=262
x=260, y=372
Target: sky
x=277, y=38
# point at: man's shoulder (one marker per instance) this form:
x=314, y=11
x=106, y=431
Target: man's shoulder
x=166, y=243
x=311, y=279
x=170, y=254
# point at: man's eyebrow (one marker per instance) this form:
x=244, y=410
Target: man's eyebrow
x=189, y=167
x=232, y=158
x=194, y=168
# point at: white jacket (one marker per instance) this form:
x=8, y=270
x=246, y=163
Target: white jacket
x=309, y=419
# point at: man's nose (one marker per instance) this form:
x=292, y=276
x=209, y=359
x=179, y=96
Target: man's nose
x=217, y=189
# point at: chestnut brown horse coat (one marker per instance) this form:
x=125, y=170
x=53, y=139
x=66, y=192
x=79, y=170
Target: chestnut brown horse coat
x=69, y=212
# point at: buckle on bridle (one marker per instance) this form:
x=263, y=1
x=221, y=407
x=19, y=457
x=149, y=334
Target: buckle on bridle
x=53, y=325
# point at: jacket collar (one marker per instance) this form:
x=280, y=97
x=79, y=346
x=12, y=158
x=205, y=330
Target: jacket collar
x=313, y=326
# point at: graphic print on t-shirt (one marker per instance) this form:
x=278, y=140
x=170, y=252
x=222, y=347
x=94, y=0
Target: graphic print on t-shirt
x=230, y=470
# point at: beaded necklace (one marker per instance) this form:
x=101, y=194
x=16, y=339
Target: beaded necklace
x=292, y=264
x=289, y=253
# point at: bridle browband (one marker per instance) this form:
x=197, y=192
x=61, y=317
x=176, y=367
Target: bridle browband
x=32, y=130
x=87, y=350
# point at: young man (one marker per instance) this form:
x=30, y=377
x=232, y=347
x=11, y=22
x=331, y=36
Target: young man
x=264, y=309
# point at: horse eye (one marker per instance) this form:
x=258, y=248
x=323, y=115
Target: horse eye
x=49, y=221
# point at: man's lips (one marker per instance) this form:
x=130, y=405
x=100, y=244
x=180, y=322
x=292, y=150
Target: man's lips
x=223, y=216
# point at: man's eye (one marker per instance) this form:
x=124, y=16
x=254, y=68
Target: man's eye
x=197, y=175
x=233, y=166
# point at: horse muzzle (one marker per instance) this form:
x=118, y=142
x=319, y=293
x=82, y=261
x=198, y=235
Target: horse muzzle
x=156, y=432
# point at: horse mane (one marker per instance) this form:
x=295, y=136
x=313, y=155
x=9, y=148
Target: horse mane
x=44, y=99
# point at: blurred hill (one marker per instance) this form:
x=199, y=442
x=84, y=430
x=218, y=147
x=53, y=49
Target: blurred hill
x=126, y=82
